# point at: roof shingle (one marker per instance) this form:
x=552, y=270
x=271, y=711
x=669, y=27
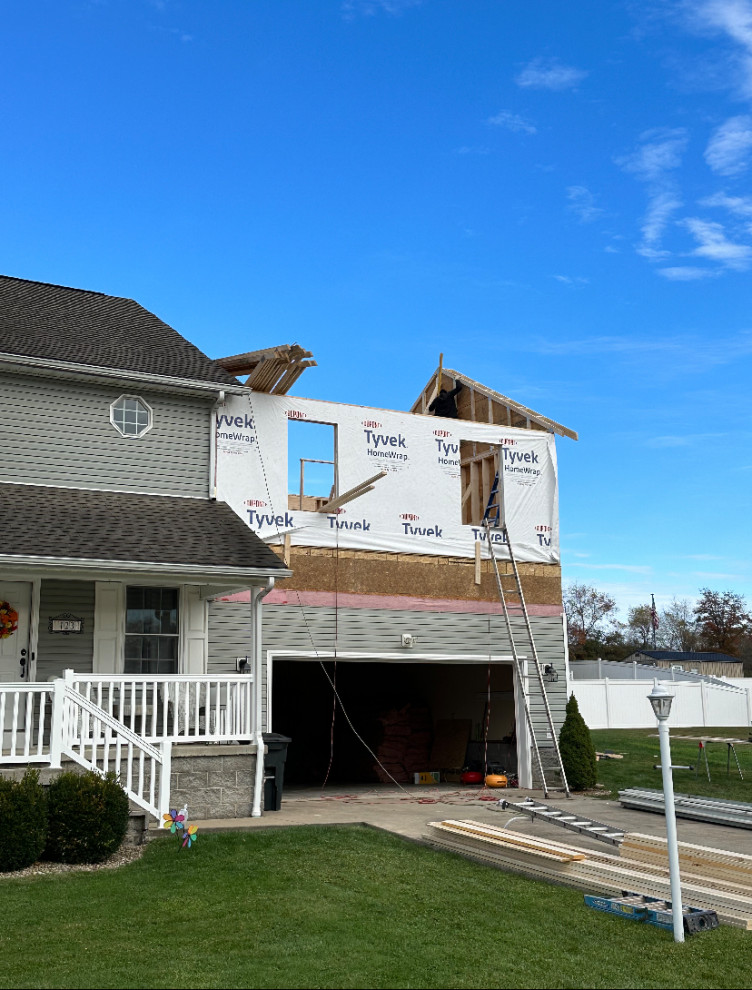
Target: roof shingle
x=110, y=526
x=58, y=323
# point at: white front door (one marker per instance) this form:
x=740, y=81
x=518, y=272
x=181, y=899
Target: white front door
x=15, y=648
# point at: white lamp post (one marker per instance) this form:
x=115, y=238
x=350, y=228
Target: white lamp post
x=661, y=700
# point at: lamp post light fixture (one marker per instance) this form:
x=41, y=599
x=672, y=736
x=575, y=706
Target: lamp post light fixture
x=661, y=700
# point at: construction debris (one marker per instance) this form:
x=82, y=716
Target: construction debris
x=273, y=369
x=712, y=879
x=735, y=813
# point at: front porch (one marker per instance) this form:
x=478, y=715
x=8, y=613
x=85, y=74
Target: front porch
x=172, y=740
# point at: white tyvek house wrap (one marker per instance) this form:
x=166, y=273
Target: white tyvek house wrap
x=414, y=509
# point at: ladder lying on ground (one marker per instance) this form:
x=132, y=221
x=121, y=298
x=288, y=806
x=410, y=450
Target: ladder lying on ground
x=494, y=519
x=575, y=823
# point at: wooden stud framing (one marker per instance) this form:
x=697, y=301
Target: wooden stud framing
x=497, y=408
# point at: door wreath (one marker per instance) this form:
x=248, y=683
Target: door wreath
x=8, y=620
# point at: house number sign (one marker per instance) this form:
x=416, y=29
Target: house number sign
x=65, y=624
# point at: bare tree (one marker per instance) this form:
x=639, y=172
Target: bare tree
x=677, y=627
x=587, y=608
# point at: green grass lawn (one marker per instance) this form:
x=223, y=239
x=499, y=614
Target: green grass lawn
x=641, y=749
x=334, y=907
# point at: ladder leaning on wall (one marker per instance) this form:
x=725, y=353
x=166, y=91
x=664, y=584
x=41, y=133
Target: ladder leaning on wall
x=494, y=521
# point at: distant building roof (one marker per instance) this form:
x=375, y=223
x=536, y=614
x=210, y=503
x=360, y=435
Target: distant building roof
x=681, y=656
x=57, y=323
x=85, y=527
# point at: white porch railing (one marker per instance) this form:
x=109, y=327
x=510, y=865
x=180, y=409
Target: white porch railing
x=99, y=742
x=124, y=724
x=25, y=720
x=179, y=707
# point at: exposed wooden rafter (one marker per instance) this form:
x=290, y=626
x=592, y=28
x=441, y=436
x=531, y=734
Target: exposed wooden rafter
x=273, y=369
x=480, y=404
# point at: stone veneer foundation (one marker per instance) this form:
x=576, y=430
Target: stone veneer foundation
x=215, y=781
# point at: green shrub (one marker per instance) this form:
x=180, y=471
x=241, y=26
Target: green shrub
x=23, y=821
x=577, y=749
x=88, y=818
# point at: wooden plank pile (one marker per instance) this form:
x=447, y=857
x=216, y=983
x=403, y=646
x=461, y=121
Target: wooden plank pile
x=713, y=879
x=273, y=369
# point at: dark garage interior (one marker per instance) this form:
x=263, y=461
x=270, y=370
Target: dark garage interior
x=401, y=710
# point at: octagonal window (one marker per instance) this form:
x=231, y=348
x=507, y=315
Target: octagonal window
x=131, y=416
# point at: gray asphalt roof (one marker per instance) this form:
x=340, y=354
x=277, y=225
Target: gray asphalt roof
x=116, y=526
x=55, y=322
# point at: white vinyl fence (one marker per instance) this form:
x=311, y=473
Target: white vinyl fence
x=623, y=704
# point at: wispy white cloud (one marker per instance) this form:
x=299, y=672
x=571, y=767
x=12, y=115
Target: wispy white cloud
x=470, y=149
x=369, y=8
x=683, y=439
x=657, y=156
x=582, y=202
x=677, y=355
x=660, y=151
x=732, y=18
x=739, y=205
x=687, y=273
x=699, y=556
x=549, y=73
x=573, y=280
x=661, y=205
x=729, y=148
x=513, y=122
x=714, y=245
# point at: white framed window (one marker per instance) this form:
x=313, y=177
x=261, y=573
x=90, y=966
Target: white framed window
x=152, y=630
x=131, y=416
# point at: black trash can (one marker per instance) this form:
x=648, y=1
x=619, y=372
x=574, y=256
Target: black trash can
x=274, y=769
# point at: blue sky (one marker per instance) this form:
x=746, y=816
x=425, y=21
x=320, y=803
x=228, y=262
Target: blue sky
x=557, y=196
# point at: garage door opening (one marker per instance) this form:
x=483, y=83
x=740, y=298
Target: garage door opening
x=407, y=713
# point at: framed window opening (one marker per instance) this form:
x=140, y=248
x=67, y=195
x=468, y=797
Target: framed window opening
x=479, y=465
x=312, y=468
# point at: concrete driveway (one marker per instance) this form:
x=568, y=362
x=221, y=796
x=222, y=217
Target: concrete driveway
x=406, y=811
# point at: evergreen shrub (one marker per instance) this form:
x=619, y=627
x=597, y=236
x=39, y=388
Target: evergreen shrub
x=23, y=821
x=577, y=749
x=88, y=817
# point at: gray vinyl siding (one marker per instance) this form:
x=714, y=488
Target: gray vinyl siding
x=56, y=432
x=56, y=651
x=308, y=628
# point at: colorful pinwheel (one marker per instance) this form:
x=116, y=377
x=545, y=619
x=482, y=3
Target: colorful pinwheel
x=190, y=836
x=174, y=820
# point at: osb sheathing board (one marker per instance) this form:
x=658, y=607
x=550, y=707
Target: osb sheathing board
x=367, y=573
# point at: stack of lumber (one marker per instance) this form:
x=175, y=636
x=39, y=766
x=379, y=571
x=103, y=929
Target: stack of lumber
x=713, y=879
x=701, y=809
x=274, y=369
x=405, y=744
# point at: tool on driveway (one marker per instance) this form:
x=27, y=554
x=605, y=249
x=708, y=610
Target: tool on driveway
x=536, y=810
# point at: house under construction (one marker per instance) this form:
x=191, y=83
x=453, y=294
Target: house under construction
x=388, y=652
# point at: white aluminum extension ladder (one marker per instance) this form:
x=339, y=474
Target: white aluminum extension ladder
x=494, y=520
